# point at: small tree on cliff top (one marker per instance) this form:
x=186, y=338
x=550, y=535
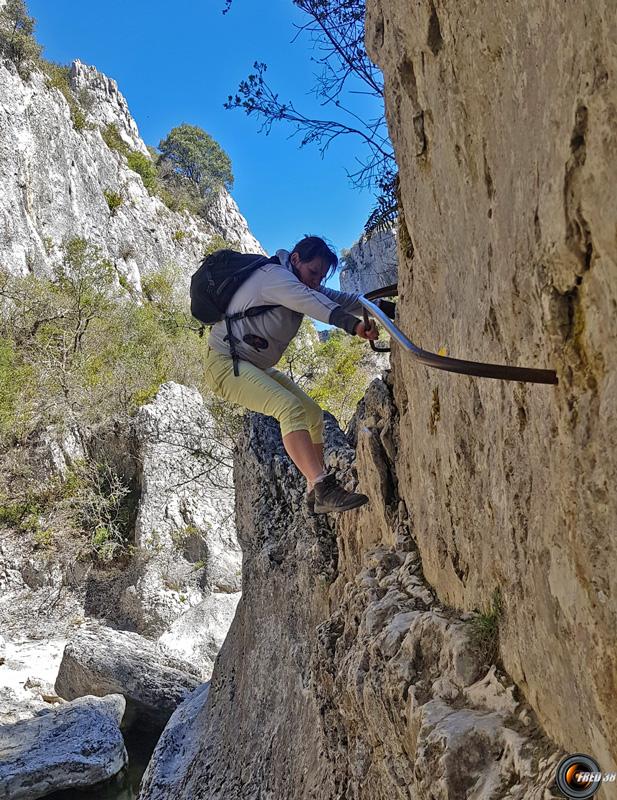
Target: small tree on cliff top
x=17, y=35
x=195, y=155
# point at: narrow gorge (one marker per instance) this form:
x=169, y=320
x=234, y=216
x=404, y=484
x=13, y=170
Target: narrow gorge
x=454, y=639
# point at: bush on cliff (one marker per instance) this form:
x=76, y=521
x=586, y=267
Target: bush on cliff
x=144, y=167
x=58, y=77
x=17, y=42
x=76, y=349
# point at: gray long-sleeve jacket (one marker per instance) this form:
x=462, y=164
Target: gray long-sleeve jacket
x=264, y=338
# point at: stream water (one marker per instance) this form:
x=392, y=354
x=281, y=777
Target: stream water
x=124, y=785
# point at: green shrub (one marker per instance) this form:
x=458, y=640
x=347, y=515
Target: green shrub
x=485, y=629
x=331, y=372
x=218, y=243
x=178, y=236
x=77, y=349
x=113, y=140
x=125, y=283
x=79, y=118
x=43, y=538
x=114, y=200
x=59, y=77
x=178, y=193
x=16, y=388
x=144, y=167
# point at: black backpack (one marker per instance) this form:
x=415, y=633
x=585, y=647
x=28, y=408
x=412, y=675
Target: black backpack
x=215, y=282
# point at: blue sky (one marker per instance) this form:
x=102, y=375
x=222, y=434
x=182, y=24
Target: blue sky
x=178, y=61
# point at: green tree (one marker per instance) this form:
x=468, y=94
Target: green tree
x=195, y=155
x=332, y=372
x=343, y=380
x=17, y=36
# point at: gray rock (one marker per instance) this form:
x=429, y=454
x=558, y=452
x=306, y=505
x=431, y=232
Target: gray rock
x=76, y=745
x=198, y=635
x=100, y=661
x=179, y=744
x=503, y=124
x=370, y=263
x=185, y=529
x=53, y=179
x=341, y=675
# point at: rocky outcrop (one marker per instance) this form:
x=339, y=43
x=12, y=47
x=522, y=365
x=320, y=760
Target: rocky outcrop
x=100, y=661
x=105, y=104
x=54, y=180
x=368, y=686
x=181, y=583
x=188, y=572
x=503, y=126
x=75, y=746
x=371, y=263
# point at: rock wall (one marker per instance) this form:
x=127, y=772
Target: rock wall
x=342, y=676
x=370, y=263
x=53, y=180
x=504, y=126
x=179, y=584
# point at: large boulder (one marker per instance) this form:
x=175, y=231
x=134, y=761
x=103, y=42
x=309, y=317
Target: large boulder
x=101, y=661
x=77, y=745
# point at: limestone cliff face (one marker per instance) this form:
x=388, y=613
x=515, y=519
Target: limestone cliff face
x=54, y=180
x=504, y=126
x=342, y=676
x=370, y=263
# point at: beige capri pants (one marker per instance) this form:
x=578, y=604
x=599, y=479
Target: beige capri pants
x=267, y=391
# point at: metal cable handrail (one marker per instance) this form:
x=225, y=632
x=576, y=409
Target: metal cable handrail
x=477, y=368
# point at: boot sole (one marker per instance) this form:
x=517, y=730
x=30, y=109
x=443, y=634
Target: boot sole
x=361, y=501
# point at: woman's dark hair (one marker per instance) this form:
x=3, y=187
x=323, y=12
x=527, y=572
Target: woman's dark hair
x=314, y=247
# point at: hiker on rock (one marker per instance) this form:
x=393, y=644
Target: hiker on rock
x=246, y=344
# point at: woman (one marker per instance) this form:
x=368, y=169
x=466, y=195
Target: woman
x=294, y=288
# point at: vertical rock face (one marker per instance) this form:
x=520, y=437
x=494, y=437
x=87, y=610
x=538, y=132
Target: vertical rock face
x=260, y=733
x=370, y=263
x=342, y=676
x=504, y=129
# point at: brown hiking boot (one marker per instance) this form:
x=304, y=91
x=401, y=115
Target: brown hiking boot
x=310, y=501
x=330, y=497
